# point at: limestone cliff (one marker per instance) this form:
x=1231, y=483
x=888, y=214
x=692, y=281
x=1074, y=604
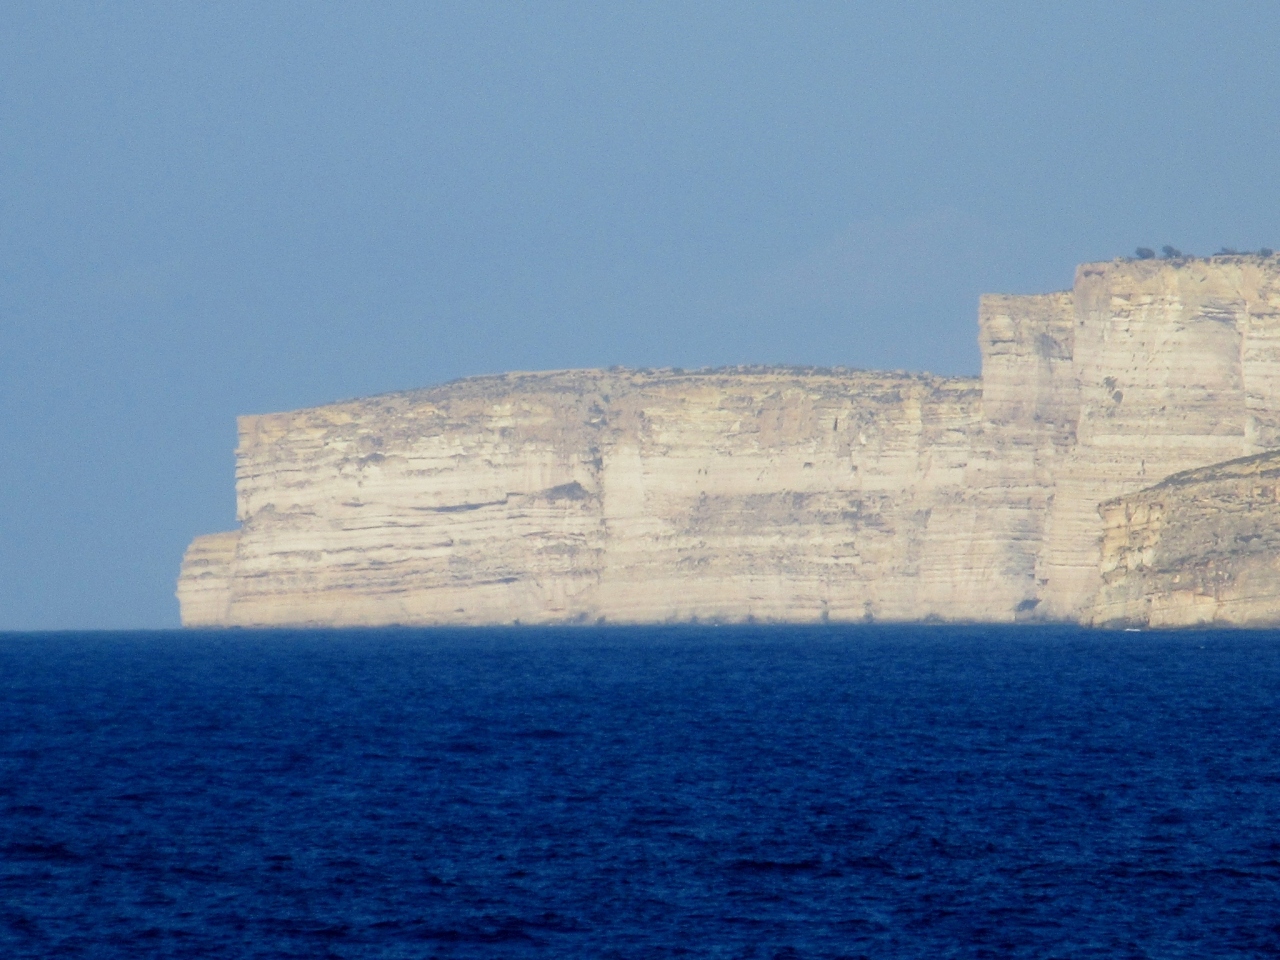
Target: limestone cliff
x=766, y=493
x=587, y=495
x=1178, y=366
x=1200, y=547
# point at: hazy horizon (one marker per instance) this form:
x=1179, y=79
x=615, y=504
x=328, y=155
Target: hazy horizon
x=245, y=208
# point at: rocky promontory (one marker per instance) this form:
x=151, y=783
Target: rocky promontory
x=1200, y=547
x=780, y=494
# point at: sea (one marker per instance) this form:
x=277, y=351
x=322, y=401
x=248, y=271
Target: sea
x=595, y=792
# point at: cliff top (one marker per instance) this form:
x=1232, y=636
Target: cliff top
x=1171, y=255
x=621, y=379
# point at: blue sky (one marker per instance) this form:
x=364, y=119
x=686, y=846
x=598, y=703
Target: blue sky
x=215, y=209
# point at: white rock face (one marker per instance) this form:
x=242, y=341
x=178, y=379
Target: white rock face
x=204, y=586
x=761, y=493
x=1029, y=405
x=1178, y=366
x=590, y=495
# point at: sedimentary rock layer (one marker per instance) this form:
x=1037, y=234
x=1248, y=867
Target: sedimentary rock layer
x=764, y=493
x=1201, y=547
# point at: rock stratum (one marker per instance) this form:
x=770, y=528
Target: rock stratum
x=1054, y=487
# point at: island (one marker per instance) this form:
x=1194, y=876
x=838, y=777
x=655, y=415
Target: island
x=1116, y=463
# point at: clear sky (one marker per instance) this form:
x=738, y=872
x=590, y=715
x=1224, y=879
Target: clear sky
x=223, y=208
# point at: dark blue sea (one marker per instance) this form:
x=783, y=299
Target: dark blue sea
x=921, y=792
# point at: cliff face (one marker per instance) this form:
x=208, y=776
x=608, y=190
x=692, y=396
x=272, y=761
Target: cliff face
x=587, y=495
x=1029, y=406
x=1201, y=547
x=1177, y=366
x=757, y=493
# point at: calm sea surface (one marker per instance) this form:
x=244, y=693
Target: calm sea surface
x=710, y=792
